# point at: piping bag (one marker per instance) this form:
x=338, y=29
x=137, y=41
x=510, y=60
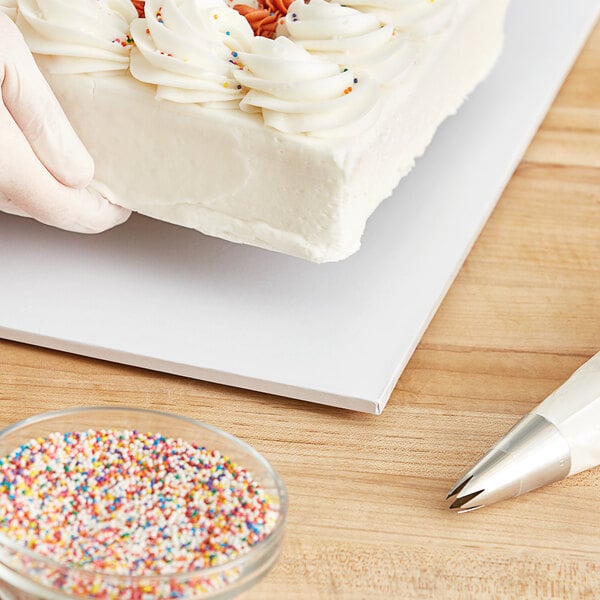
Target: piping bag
x=559, y=438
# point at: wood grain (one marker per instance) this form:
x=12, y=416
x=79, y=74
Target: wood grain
x=367, y=514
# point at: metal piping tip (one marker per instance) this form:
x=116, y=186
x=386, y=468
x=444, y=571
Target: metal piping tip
x=533, y=453
x=458, y=486
x=463, y=498
x=462, y=501
x=465, y=510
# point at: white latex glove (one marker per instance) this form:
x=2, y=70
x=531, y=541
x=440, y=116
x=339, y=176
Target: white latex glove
x=44, y=167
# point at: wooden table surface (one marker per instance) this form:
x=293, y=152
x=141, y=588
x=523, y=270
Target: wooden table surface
x=367, y=513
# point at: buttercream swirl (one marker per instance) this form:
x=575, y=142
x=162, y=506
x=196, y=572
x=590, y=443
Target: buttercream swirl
x=9, y=7
x=350, y=38
x=188, y=49
x=78, y=37
x=421, y=17
x=298, y=92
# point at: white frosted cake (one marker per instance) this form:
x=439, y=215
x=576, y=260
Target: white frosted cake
x=281, y=125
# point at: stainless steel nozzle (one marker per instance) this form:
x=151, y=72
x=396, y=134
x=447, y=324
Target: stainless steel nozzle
x=532, y=454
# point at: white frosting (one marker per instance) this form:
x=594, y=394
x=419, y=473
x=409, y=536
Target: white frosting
x=85, y=36
x=422, y=17
x=9, y=7
x=302, y=93
x=188, y=49
x=350, y=38
x=226, y=174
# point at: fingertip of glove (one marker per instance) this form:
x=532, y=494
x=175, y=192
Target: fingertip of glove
x=107, y=215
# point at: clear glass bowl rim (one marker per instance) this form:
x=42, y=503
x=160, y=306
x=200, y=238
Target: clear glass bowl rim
x=239, y=561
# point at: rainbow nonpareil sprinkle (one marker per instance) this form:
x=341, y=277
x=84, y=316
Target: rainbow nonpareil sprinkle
x=129, y=503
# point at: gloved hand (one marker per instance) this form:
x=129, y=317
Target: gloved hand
x=44, y=167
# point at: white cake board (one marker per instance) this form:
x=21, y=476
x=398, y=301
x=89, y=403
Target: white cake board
x=170, y=299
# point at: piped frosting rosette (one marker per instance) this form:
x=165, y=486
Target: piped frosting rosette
x=9, y=7
x=350, y=38
x=421, y=17
x=85, y=36
x=298, y=92
x=188, y=49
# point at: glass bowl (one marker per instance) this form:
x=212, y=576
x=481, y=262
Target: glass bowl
x=26, y=575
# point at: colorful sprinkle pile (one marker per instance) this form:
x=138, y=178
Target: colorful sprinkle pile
x=125, y=502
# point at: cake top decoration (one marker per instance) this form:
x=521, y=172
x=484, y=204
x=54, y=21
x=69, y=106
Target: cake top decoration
x=350, y=38
x=318, y=51
x=88, y=37
x=420, y=17
x=187, y=49
x=298, y=92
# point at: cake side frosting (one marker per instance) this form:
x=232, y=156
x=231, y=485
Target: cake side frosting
x=455, y=68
